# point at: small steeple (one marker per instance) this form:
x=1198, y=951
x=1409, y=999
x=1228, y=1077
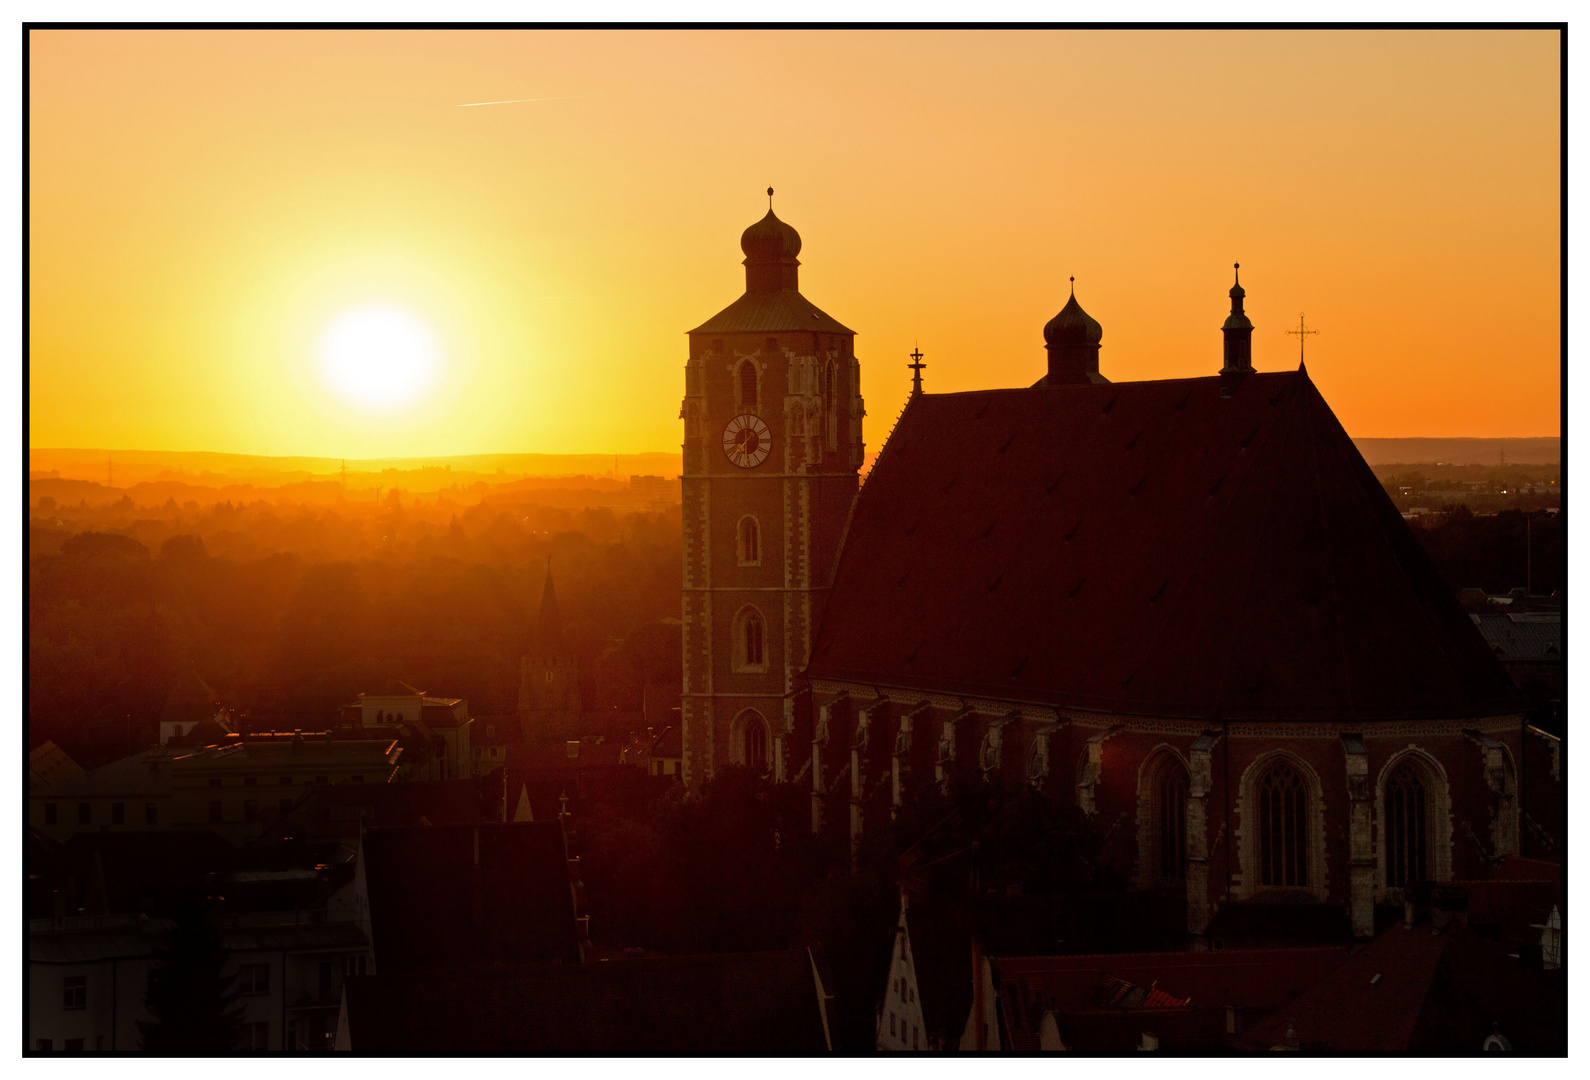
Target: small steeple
x=550, y=643
x=1238, y=332
x=771, y=247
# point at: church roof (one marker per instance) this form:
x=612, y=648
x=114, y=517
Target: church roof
x=1201, y=548
x=772, y=313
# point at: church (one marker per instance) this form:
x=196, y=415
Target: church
x=1186, y=604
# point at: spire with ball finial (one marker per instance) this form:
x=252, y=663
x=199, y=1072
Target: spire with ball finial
x=1238, y=331
x=1072, y=339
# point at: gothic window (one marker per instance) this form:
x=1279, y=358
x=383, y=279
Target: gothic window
x=750, y=542
x=832, y=402
x=1283, y=828
x=1405, y=824
x=1170, y=820
x=750, y=641
x=750, y=740
x=747, y=375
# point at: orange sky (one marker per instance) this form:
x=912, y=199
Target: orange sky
x=203, y=203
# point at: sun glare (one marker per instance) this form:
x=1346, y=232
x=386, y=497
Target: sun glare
x=378, y=358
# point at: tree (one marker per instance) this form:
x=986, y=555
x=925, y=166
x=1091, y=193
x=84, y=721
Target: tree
x=192, y=1002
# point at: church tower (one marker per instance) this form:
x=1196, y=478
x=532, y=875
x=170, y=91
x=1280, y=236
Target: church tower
x=772, y=451
x=549, y=679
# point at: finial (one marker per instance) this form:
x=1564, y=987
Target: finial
x=916, y=367
x=1073, y=284
x=770, y=198
x=1237, y=268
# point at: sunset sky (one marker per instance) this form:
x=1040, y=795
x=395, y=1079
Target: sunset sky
x=213, y=212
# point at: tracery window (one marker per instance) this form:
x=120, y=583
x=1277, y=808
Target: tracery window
x=751, y=740
x=1405, y=825
x=753, y=638
x=1171, y=821
x=750, y=542
x=1283, y=828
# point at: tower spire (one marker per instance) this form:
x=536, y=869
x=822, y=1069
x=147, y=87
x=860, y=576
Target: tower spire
x=1238, y=331
x=551, y=643
x=916, y=365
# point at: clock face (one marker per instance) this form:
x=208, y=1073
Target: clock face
x=747, y=441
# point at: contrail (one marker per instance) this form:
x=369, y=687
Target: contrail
x=515, y=101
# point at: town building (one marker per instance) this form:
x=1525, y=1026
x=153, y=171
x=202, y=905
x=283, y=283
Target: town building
x=236, y=788
x=439, y=728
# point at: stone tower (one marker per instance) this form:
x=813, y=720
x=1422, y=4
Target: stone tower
x=772, y=450
x=549, y=678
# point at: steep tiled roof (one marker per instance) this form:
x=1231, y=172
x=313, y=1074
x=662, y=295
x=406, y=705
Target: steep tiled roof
x=444, y=896
x=743, y=1004
x=1418, y=990
x=1187, y=547
x=771, y=313
x=1528, y=637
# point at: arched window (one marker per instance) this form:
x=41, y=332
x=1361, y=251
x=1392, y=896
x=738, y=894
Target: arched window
x=748, y=385
x=1405, y=824
x=1283, y=828
x=750, y=640
x=1170, y=820
x=750, y=742
x=753, y=638
x=750, y=542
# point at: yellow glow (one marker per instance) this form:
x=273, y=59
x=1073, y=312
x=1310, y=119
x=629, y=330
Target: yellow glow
x=204, y=203
x=379, y=358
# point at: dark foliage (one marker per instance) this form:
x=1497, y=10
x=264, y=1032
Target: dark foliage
x=192, y=1002
x=1496, y=552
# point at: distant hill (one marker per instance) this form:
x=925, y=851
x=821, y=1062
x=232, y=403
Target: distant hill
x=125, y=467
x=1546, y=450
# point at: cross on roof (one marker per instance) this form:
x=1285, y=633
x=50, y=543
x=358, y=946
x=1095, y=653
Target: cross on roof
x=916, y=367
x=1302, y=336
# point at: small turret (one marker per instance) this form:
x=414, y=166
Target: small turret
x=1072, y=340
x=1238, y=332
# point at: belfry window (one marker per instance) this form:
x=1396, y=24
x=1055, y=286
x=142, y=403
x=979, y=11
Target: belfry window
x=748, y=385
x=1283, y=828
x=1171, y=821
x=750, y=542
x=1406, y=844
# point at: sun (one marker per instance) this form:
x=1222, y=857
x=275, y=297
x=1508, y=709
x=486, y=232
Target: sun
x=379, y=358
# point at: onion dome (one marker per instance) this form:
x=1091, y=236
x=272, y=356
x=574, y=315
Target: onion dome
x=1072, y=326
x=770, y=241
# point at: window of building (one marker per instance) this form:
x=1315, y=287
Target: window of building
x=356, y=965
x=215, y=781
x=1171, y=820
x=250, y=809
x=118, y=813
x=1406, y=843
x=151, y=813
x=74, y=992
x=749, y=735
x=549, y=676
x=85, y=813
x=256, y=1036
x=215, y=811
x=1283, y=828
x=45, y=1045
x=51, y=813
x=750, y=541
x=750, y=640
x=491, y=731
x=747, y=375
x=74, y=1046
x=250, y=781
x=253, y=978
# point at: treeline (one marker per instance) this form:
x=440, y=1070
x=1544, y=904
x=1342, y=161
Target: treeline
x=1496, y=552
x=290, y=613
